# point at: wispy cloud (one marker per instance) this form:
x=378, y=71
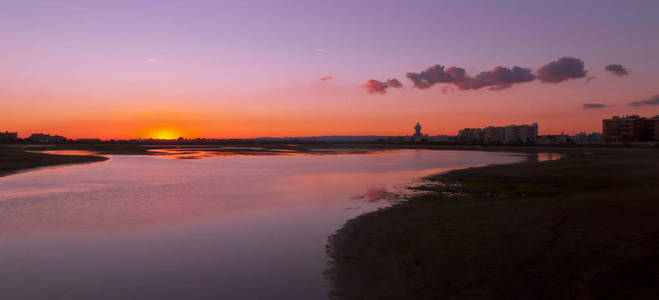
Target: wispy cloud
x=590, y=78
x=654, y=100
x=380, y=88
x=326, y=78
x=616, y=69
x=447, y=89
x=394, y=83
x=593, y=105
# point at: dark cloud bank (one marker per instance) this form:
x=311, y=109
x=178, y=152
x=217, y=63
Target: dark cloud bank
x=496, y=79
x=654, y=100
x=617, y=70
x=593, y=105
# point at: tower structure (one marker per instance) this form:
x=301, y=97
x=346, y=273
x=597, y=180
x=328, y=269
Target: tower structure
x=417, y=131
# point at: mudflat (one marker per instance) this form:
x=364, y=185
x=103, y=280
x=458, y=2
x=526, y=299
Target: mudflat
x=583, y=227
x=12, y=161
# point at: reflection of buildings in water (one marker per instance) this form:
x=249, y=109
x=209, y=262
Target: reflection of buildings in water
x=548, y=156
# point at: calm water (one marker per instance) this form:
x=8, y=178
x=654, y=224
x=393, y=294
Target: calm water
x=235, y=227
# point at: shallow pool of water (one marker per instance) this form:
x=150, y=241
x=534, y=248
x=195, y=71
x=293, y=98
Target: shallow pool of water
x=243, y=227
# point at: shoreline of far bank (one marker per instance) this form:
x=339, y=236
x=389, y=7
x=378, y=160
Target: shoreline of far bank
x=15, y=158
x=18, y=161
x=581, y=227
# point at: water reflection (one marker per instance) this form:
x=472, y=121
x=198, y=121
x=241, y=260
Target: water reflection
x=68, y=152
x=192, y=153
x=232, y=227
x=205, y=152
x=549, y=156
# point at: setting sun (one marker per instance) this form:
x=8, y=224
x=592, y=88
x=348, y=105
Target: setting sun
x=164, y=133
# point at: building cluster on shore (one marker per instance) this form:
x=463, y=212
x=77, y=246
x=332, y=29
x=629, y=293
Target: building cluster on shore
x=626, y=129
x=46, y=138
x=34, y=138
x=500, y=135
x=8, y=136
x=632, y=128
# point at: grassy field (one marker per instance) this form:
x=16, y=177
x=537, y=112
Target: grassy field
x=584, y=227
x=12, y=161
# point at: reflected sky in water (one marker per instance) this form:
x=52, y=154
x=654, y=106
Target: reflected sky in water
x=231, y=227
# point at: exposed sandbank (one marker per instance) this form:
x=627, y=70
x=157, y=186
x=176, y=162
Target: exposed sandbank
x=14, y=161
x=584, y=227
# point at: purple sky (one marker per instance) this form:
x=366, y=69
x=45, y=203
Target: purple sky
x=245, y=60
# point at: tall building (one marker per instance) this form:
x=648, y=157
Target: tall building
x=46, y=138
x=496, y=134
x=632, y=128
x=417, y=131
x=521, y=133
x=471, y=135
x=8, y=136
x=512, y=134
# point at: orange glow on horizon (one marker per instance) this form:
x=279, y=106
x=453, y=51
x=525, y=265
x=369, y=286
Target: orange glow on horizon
x=310, y=112
x=165, y=134
x=162, y=133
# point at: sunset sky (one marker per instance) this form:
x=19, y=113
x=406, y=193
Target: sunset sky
x=240, y=69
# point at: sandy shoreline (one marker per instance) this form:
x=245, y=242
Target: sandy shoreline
x=16, y=161
x=584, y=227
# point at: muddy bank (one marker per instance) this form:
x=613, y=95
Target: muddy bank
x=14, y=161
x=584, y=227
